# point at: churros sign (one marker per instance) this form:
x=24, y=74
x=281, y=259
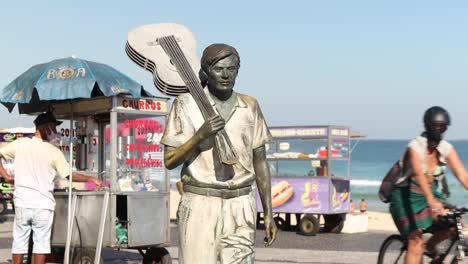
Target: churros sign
x=147, y=105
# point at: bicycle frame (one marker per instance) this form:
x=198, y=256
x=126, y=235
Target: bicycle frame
x=454, y=215
x=460, y=254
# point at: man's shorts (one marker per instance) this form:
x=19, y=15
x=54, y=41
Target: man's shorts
x=35, y=219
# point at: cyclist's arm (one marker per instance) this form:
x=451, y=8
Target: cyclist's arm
x=421, y=179
x=455, y=164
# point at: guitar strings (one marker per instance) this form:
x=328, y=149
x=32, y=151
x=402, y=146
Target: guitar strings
x=187, y=70
x=187, y=74
x=171, y=54
x=194, y=80
x=182, y=62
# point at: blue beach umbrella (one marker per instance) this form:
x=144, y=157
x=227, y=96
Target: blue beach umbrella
x=66, y=79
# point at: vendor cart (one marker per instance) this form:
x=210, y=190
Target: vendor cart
x=116, y=139
x=310, y=168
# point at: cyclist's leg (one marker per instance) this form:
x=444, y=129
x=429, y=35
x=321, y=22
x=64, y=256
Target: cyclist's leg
x=439, y=236
x=416, y=246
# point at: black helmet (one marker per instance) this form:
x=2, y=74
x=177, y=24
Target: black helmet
x=436, y=115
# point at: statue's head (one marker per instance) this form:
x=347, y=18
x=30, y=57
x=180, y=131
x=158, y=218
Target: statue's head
x=220, y=64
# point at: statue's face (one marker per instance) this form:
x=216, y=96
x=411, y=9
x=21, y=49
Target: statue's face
x=222, y=75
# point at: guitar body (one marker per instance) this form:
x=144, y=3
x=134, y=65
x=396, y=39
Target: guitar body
x=144, y=49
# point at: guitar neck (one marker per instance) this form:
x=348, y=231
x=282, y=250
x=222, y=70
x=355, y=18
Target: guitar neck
x=172, y=49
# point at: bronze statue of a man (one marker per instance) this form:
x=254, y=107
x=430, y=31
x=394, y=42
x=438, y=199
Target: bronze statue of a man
x=217, y=211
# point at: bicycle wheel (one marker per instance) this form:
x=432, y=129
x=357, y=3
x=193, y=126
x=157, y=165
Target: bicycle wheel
x=393, y=250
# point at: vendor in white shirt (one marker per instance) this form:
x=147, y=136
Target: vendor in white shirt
x=36, y=163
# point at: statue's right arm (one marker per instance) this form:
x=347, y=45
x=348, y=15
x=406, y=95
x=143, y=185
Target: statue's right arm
x=174, y=157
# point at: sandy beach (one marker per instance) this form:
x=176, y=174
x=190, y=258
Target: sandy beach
x=378, y=221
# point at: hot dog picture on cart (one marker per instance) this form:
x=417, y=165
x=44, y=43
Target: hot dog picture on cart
x=308, y=195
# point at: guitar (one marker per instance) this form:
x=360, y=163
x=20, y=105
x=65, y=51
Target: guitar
x=169, y=52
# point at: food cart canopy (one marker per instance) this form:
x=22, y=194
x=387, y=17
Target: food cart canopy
x=355, y=134
x=309, y=132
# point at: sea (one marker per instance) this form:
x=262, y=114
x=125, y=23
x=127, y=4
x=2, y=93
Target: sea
x=369, y=162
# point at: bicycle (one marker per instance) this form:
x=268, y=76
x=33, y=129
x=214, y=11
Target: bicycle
x=393, y=249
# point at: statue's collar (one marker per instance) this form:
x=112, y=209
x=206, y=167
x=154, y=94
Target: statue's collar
x=240, y=102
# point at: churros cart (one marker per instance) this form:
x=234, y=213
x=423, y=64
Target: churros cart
x=118, y=140
x=310, y=168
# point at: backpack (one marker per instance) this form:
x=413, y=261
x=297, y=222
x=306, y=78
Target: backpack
x=394, y=177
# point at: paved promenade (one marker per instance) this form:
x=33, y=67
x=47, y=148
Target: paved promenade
x=289, y=248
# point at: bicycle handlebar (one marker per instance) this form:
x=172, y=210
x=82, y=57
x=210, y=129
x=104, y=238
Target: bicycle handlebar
x=454, y=208
x=454, y=212
x=459, y=210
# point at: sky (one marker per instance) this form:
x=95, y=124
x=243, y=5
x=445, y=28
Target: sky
x=372, y=65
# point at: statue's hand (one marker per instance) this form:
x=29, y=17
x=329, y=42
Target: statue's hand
x=270, y=230
x=211, y=126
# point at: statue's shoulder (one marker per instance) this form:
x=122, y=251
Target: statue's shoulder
x=249, y=100
x=185, y=99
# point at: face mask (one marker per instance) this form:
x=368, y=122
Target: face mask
x=434, y=136
x=53, y=139
x=435, y=132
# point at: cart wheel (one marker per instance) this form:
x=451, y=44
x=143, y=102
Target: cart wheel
x=157, y=256
x=3, y=206
x=334, y=223
x=309, y=225
x=85, y=256
x=280, y=223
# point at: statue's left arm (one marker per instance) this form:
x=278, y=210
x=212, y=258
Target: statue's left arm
x=263, y=181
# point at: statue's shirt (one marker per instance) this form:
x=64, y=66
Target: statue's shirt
x=245, y=127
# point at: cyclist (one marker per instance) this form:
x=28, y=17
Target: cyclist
x=417, y=203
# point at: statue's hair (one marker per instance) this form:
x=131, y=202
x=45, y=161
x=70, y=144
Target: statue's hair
x=212, y=54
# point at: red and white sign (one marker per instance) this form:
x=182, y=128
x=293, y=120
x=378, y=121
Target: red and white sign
x=147, y=105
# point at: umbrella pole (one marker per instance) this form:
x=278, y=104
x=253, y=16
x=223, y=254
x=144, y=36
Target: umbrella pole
x=70, y=221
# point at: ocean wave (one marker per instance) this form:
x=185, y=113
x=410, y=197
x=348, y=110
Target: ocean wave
x=365, y=183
